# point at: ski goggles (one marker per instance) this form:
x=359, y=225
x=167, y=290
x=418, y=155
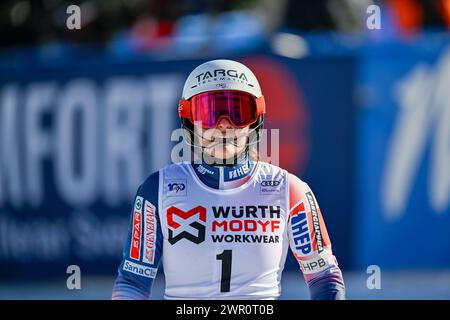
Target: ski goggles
x=241, y=108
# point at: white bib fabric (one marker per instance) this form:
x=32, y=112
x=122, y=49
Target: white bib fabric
x=223, y=244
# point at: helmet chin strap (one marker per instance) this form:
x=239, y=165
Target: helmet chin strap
x=237, y=158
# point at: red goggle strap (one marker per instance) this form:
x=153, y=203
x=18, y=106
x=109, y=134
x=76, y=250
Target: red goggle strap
x=184, y=108
x=260, y=106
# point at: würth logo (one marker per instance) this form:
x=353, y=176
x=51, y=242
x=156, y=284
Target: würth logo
x=178, y=231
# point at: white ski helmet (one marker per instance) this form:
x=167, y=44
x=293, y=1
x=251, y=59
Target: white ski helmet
x=221, y=75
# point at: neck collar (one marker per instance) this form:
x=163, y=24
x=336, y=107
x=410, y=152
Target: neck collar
x=224, y=177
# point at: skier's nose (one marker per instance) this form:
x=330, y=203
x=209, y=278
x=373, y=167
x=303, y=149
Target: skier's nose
x=224, y=124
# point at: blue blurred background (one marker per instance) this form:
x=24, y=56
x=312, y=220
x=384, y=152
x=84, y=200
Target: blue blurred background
x=86, y=115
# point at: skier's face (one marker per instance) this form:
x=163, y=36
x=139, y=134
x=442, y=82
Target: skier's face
x=214, y=143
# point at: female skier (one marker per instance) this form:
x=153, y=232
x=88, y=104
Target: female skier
x=222, y=224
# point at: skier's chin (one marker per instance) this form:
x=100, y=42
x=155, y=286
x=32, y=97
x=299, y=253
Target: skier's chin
x=222, y=153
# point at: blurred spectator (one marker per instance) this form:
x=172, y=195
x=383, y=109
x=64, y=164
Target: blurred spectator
x=414, y=15
x=190, y=27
